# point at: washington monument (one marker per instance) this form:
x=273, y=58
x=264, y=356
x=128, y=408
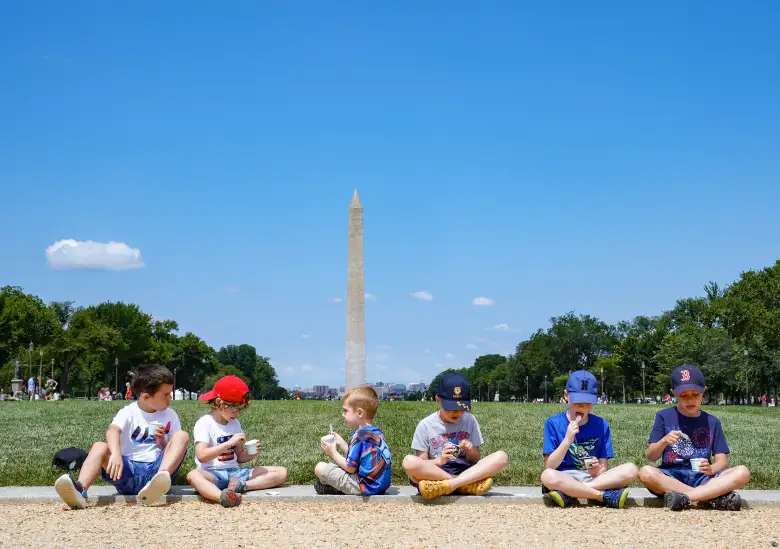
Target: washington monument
x=356, y=298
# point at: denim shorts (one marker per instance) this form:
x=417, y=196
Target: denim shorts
x=136, y=474
x=222, y=476
x=686, y=476
x=453, y=466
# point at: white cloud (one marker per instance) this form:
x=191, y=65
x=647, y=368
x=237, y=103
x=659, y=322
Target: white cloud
x=370, y=297
x=305, y=336
x=470, y=346
x=306, y=368
x=232, y=289
x=427, y=351
x=449, y=356
x=482, y=302
x=334, y=300
x=114, y=256
x=502, y=328
x=422, y=296
x=383, y=347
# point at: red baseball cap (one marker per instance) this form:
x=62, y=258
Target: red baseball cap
x=229, y=388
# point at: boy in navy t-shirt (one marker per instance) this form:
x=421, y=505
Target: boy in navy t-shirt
x=684, y=438
x=577, y=447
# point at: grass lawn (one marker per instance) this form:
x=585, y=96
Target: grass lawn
x=289, y=433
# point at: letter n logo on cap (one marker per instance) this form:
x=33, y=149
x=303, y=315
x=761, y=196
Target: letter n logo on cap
x=685, y=374
x=584, y=385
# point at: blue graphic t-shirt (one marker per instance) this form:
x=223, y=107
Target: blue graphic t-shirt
x=705, y=437
x=369, y=452
x=593, y=440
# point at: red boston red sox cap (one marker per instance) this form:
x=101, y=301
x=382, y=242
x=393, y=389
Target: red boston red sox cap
x=229, y=388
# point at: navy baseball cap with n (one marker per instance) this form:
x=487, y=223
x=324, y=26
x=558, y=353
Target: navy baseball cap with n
x=687, y=377
x=454, y=392
x=582, y=387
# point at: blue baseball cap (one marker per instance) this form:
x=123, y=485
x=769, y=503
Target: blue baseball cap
x=454, y=392
x=687, y=377
x=582, y=387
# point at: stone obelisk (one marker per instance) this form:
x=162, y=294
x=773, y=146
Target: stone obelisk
x=356, y=298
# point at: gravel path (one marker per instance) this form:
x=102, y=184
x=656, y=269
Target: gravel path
x=376, y=525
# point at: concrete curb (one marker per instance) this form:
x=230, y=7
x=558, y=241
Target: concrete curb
x=639, y=497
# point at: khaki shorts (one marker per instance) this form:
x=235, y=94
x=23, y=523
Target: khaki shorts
x=581, y=476
x=342, y=481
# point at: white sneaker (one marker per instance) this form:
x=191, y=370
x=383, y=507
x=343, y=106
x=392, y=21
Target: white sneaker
x=71, y=492
x=155, y=488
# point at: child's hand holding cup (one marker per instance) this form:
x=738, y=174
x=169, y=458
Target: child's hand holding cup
x=252, y=446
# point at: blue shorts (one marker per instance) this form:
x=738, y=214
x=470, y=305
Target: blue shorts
x=223, y=475
x=136, y=474
x=454, y=467
x=686, y=476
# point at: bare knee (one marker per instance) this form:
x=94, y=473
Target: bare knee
x=549, y=477
x=100, y=449
x=410, y=463
x=743, y=474
x=319, y=470
x=647, y=473
x=630, y=472
x=282, y=471
x=181, y=436
x=502, y=459
x=192, y=475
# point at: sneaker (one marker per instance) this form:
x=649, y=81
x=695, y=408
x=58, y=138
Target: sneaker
x=230, y=496
x=615, y=498
x=676, y=501
x=727, y=502
x=326, y=489
x=155, y=488
x=240, y=485
x=559, y=498
x=71, y=491
x=431, y=489
x=476, y=488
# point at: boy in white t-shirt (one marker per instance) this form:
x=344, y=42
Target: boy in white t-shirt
x=220, y=448
x=144, y=445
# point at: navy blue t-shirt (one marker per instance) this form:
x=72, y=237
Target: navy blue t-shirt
x=705, y=437
x=593, y=440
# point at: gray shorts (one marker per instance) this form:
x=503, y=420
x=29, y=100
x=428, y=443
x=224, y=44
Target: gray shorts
x=581, y=476
x=342, y=481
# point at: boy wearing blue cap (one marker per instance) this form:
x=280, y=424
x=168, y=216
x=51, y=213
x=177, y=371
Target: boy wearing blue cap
x=685, y=438
x=577, y=447
x=446, y=444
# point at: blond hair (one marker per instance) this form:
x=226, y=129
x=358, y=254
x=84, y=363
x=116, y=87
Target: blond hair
x=362, y=396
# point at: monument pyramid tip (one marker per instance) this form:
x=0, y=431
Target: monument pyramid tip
x=355, y=200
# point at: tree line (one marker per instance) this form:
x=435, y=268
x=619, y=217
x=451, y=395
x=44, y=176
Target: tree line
x=731, y=333
x=89, y=347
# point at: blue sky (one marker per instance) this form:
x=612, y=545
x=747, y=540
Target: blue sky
x=606, y=158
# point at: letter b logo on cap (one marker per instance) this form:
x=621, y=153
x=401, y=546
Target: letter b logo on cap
x=685, y=375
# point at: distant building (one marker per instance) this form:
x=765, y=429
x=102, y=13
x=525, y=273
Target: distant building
x=417, y=387
x=321, y=390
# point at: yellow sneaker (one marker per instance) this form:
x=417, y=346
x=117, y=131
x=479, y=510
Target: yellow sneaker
x=431, y=489
x=476, y=488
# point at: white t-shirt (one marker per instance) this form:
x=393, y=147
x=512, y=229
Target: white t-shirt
x=209, y=430
x=137, y=438
x=432, y=433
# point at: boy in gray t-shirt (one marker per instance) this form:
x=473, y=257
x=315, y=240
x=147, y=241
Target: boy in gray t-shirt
x=446, y=444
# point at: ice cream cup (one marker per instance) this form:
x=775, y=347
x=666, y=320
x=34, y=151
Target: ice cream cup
x=328, y=439
x=696, y=463
x=251, y=447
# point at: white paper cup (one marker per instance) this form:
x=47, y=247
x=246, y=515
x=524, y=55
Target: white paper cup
x=588, y=462
x=153, y=426
x=329, y=439
x=696, y=464
x=251, y=447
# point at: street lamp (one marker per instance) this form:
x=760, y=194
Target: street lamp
x=526, y=389
x=52, y=369
x=31, y=350
x=116, y=374
x=745, y=352
x=40, y=369
x=602, y=380
x=174, y=379
x=643, y=382
x=545, y=387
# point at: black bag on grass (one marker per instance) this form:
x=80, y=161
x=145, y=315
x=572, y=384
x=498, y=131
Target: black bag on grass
x=69, y=459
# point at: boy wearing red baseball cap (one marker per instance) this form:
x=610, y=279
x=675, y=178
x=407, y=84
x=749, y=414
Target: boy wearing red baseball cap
x=221, y=446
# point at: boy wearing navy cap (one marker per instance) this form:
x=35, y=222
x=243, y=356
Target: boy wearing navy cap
x=446, y=444
x=684, y=438
x=577, y=447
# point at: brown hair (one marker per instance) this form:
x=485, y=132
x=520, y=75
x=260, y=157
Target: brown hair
x=216, y=403
x=148, y=378
x=362, y=396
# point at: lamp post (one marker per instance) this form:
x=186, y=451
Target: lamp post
x=40, y=370
x=174, y=379
x=526, y=389
x=116, y=374
x=602, y=380
x=31, y=350
x=545, y=387
x=643, y=382
x=52, y=368
x=745, y=353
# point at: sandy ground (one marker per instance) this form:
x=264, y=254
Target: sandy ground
x=375, y=525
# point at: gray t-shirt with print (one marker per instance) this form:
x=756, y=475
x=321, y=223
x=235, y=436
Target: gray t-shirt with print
x=432, y=433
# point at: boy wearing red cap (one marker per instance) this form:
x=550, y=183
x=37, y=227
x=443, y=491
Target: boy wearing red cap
x=220, y=447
